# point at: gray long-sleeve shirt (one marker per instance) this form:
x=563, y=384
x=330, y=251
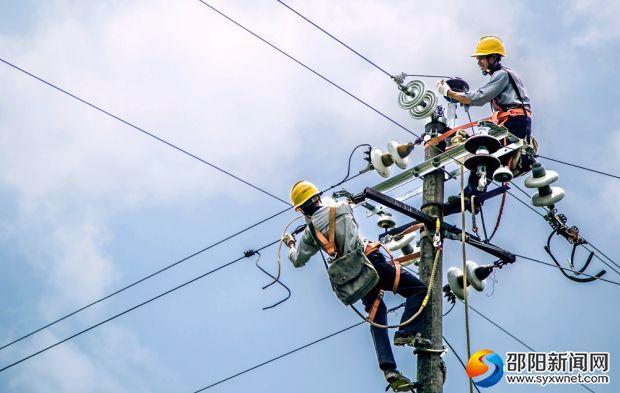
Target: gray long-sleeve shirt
x=347, y=236
x=500, y=89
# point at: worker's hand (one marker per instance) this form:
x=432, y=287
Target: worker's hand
x=443, y=88
x=288, y=240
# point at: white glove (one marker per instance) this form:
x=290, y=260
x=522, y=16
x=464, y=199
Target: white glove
x=443, y=88
x=288, y=240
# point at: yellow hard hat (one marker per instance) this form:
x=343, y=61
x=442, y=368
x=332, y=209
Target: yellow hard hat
x=489, y=45
x=302, y=191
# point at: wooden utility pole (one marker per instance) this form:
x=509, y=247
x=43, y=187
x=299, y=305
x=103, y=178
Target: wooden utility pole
x=430, y=375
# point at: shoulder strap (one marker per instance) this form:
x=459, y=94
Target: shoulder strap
x=328, y=245
x=515, y=87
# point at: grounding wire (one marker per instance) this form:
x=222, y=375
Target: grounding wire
x=142, y=130
x=136, y=307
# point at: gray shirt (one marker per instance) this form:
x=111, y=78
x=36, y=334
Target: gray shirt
x=347, y=236
x=500, y=89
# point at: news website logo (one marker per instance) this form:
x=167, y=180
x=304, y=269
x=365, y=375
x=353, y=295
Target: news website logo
x=476, y=367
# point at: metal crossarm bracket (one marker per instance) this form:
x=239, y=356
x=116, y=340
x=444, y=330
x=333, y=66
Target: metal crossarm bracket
x=429, y=220
x=457, y=153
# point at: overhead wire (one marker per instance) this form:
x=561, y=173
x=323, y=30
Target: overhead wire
x=135, y=307
x=142, y=130
x=579, y=166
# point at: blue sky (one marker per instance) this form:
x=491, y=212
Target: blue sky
x=91, y=205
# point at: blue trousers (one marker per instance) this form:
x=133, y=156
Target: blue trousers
x=519, y=126
x=410, y=288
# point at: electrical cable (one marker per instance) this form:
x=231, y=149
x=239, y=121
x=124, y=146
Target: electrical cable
x=246, y=255
x=349, y=165
x=144, y=131
x=342, y=43
x=565, y=269
x=134, y=283
x=288, y=353
x=457, y=356
x=310, y=69
x=579, y=166
x=584, y=245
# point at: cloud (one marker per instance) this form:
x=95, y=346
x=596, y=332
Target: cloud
x=594, y=22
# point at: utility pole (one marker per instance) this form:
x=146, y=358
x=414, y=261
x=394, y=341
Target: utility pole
x=430, y=374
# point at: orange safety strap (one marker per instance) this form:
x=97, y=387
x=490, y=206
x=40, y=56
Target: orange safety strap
x=498, y=118
x=371, y=247
x=375, y=306
x=396, y=276
x=329, y=245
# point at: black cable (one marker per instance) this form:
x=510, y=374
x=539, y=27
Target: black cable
x=584, y=245
x=579, y=166
x=510, y=334
x=144, y=131
x=135, y=307
x=310, y=69
x=458, y=357
x=288, y=353
x=448, y=312
x=565, y=269
x=349, y=165
x=342, y=43
x=143, y=279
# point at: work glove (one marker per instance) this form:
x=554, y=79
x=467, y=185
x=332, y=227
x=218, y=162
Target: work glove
x=288, y=240
x=443, y=88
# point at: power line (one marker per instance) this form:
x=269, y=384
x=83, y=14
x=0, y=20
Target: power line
x=457, y=356
x=584, y=245
x=310, y=69
x=339, y=41
x=151, y=275
x=510, y=334
x=135, y=307
x=579, y=166
x=565, y=269
x=144, y=131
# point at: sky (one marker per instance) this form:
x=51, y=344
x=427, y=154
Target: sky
x=91, y=204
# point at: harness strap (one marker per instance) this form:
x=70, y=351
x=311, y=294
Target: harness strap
x=396, y=276
x=375, y=306
x=329, y=245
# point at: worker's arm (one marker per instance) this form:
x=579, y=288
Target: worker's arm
x=498, y=83
x=460, y=97
x=307, y=248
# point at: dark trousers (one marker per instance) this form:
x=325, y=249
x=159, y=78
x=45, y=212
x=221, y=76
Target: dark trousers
x=519, y=126
x=409, y=287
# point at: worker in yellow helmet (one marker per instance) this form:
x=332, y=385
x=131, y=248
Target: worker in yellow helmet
x=346, y=239
x=505, y=91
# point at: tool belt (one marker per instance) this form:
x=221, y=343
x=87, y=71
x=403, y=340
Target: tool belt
x=352, y=275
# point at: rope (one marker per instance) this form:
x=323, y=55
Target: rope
x=465, y=292
x=277, y=277
x=420, y=309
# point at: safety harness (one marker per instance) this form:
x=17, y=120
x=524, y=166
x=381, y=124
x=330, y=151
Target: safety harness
x=370, y=248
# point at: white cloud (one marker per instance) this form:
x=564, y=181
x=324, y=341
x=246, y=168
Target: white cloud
x=594, y=21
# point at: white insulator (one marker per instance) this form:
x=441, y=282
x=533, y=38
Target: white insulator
x=402, y=243
x=502, y=174
x=550, y=177
x=454, y=276
x=386, y=221
x=426, y=106
x=415, y=88
x=556, y=195
x=472, y=278
x=381, y=162
x=400, y=161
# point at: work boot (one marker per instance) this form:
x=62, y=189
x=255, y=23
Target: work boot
x=411, y=339
x=398, y=382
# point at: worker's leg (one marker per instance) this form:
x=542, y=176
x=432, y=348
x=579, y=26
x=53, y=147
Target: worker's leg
x=383, y=347
x=521, y=127
x=414, y=291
